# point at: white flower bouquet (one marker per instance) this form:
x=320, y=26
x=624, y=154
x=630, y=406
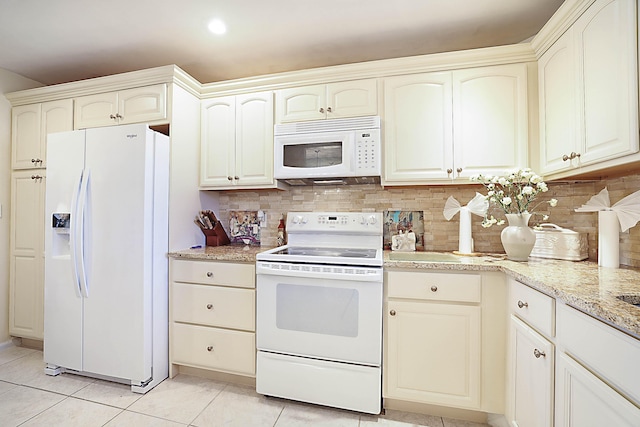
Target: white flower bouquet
x=513, y=192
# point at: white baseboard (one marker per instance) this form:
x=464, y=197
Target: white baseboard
x=6, y=344
x=497, y=420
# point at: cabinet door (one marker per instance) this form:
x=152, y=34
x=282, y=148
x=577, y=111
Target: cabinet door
x=418, y=128
x=582, y=399
x=26, y=277
x=26, y=147
x=490, y=119
x=57, y=116
x=217, y=150
x=254, y=139
x=531, y=377
x=558, y=110
x=142, y=104
x=433, y=353
x=301, y=103
x=95, y=110
x=352, y=99
x=607, y=73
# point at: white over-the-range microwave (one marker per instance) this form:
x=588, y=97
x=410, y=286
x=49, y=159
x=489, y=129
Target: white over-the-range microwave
x=333, y=151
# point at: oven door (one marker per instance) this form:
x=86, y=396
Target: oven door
x=314, y=155
x=319, y=311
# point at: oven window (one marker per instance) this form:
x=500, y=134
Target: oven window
x=317, y=309
x=313, y=155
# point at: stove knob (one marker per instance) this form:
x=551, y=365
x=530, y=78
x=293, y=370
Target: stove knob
x=296, y=219
x=304, y=220
x=372, y=219
x=363, y=220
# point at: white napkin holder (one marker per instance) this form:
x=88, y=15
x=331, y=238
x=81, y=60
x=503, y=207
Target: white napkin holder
x=560, y=243
x=404, y=242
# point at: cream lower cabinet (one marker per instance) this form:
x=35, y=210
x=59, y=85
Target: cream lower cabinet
x=447, y=126
x=530, y=388
x=588, y=86
x=597, y=380
x=433, y=342
x=26, y=265
x=353, y=98
x=237, y=142
x=137, y=105
x=212, y=316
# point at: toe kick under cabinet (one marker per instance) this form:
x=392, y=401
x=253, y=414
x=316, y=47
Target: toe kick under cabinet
x=212, y=309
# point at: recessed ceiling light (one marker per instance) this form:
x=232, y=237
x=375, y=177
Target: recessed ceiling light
x=216, y=26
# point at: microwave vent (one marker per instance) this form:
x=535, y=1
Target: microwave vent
x=354, y=123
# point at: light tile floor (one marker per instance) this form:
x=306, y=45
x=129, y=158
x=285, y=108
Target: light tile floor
x=28, y=397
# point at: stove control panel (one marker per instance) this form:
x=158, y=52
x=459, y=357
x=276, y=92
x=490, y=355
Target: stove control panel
x=352, y=222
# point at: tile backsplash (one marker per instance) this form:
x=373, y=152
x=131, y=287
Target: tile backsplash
x=439, y=234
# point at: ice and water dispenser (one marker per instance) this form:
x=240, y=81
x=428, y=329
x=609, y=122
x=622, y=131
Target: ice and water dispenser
x=60, y=224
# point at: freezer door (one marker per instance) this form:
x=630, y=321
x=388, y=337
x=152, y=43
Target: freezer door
x=63, y=303
x=119, y=245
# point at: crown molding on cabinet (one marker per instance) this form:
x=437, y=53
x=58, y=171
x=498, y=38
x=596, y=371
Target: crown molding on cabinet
x=147, y=77
x=173, y=74
x=560, y=22
x=445, y=61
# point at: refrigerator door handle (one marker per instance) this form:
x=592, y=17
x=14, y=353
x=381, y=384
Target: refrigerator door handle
x=82, y=234
x=76, y=222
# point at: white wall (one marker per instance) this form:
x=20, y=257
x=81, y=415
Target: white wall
x=9, y=82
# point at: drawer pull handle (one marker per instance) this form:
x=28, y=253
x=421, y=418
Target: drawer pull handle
x=434, y=288
x=210, y=348
x=522, y=304
x=392, y=312
x=209, y=274
x=537, y=353
x=209, y=306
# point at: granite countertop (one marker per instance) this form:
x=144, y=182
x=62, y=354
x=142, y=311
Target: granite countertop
x=581, y=284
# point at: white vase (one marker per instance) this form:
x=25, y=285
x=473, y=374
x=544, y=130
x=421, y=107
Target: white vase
x=517, y=238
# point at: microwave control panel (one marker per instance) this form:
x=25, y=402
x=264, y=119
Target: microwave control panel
x=368, y=152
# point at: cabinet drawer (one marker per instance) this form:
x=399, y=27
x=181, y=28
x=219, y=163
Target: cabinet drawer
x=535, y=308
x=213, y=348
x=214, y=273
x=609, y=353
x=214, y=306
x=434, y=286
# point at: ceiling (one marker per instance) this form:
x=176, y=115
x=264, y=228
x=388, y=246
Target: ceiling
x=67, y=40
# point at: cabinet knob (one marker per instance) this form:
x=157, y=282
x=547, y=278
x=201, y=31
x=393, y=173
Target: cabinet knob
x=459, y=170
x=118, y=116
x=210, y=348
x=34, y=177
x=328, y=109
x=112, y=117
x=522, y=304
x=236, y=177
x=321, y=110
x=209, y=274
x=392, y=312
x=230, y=178
x=34, y=161
x=209, y=306
x=449, y=171
x=537, y=353
x=434, y=288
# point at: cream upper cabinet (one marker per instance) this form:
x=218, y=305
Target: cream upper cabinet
x=490, y=120
x=447, y=126
x=418, y=142
x=30, y=125
x=26, y=265
x=589, y=81
x=237, y=142
x=557, y=101
x=137, y=105
x=331, y=101
x=433, y=338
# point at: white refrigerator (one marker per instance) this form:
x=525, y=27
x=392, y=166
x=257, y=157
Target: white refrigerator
x=106, y=266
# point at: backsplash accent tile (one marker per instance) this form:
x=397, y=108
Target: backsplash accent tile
x=440, y=234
